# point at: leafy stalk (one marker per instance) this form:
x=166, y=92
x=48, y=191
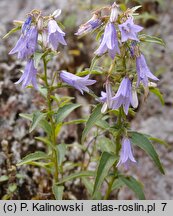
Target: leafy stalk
x=52, y=123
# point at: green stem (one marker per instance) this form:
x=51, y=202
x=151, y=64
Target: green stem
x=50, y=116
x=118, y=146
x=108, y=192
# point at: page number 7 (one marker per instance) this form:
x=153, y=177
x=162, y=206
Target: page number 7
x=163, y=206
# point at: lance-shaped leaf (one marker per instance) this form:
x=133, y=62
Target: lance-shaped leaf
x=157, y=92
x=38, y=155
x=76, y=175
x=64, y=111
x=94, y=117
x=61, y=148
x=43, y=123
x=134, y=185
x=151, y=39
x=12, y=31
x=106, y=162
x=144, y=143
x=36, y=118
x=89, y=186
x=58, y=191
x=37, y=58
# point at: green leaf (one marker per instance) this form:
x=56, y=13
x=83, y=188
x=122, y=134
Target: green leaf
x=134, y=185
x=75, y=121
x=144, y=143
x=76, y=175
x=61, y=153
x=157, y=92
x=160, y=141
x=58, y=191
x=43, y=91
x=105, y=163
x=4, y=178
x=151, y=39
x=86, y=72
x=33, y=157
x=89, y=186
x=94, y=117
x=46, y=141
x=117, y=184
x=99, y=34
x=145, y=16
x=12, y=187
x=26, y=116
x=36, y=118
x=37, y=58
x=103, y=124
x=12, y=31
x=106, y=145
x=64, y=111
x=43, y=123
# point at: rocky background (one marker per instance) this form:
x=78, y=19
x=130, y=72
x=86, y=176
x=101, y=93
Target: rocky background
x=152, y=118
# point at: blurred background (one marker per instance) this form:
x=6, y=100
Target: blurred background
x=152, y=118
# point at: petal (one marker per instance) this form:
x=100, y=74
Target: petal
x=101, y=50
x=126, y=105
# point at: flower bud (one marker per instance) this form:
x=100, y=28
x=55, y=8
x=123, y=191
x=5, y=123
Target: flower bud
x=109, y=94
x=114, y=12
x=44, y=37
x=56, y=13
x=134, y=98
x=152, y=84
x=104, y=108
x=40, y=23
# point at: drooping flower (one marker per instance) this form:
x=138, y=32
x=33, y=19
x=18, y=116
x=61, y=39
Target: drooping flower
x=29, y=75
x=129, y=30
x=92, y=24
x=123, y=95
x=80, y=83
x=27, y=24
x=109, y=42
x=55, y=35
x=27, y=44
x=126, y=152
x=143, y=71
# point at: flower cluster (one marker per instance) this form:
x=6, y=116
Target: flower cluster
x=120, y=40
x=28, y=44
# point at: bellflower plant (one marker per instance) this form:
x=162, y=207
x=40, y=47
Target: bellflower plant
x=32, y=47
x=120, y=37
x=110, y=143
